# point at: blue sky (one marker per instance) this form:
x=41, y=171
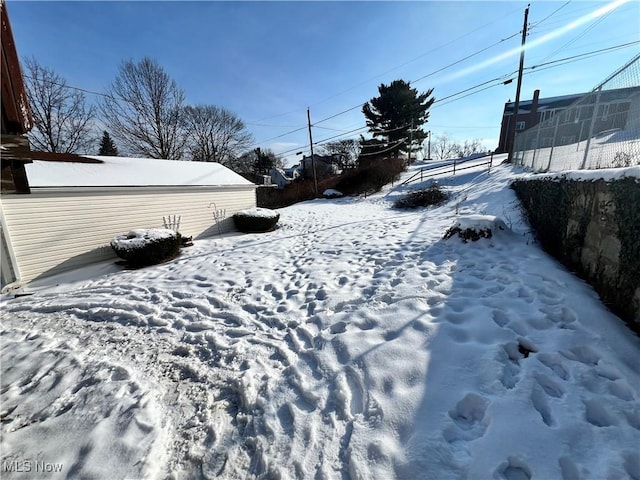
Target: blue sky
x=270, y=61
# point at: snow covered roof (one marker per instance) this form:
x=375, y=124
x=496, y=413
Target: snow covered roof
x=128, y=172
x=563, y=101
x=543, y=103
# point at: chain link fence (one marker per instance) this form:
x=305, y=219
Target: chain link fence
x=599, y=130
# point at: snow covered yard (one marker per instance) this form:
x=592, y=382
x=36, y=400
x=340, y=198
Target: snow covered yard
x=353, y=342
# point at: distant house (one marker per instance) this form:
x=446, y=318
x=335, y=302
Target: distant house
x=283, y=177
x=613, y=108
x=323, y=165
x=530, y=113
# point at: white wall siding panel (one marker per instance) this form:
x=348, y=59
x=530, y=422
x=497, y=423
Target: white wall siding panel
x=54, y=230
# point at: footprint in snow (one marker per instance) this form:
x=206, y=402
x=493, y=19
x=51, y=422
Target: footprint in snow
x=513, y=469
x=510, y=356
x=543, y=388
x=541, y=405
x=469, y=422
x=338, y=327
x=550, y=387
x=500, y=317
x=562, y=316
x=555, y=364
x=356, y=391
x=582, y=354
x=568, y=469
x=597, y=414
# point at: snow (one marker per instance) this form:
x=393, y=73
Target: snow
x=332, y=192
x=351, y=342
x=480, y=223
x=258, y=212
x=125, y=171
x=606, y=174
x=140, y=237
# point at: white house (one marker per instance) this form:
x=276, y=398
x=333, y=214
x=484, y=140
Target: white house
x=73, y=206
x=283, y=177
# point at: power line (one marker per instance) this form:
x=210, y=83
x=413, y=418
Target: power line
x=451, y=65
x=536, y=68
x=435, y=49
x=572, y=41
x=500, y=79
x=593, y=53
x=550, y=15
x=465, y=58
x=392, y=147
x=65, y=85
x=495, y=82
x=448, y=99
x=280, y=136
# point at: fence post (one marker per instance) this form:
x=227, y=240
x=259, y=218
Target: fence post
x=580, y=136
x=593, y=124
x=537, y=149
x=454, y=165
x=553, y=142
x=490, y=162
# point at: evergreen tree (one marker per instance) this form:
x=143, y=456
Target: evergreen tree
x=264, y=161
x=395, y=119
x=107, y=146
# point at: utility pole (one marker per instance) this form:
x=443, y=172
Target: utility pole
x=516, y=105
x=410, y=141
x=313, y=160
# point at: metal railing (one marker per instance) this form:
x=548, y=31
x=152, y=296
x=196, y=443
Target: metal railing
x=455, y=166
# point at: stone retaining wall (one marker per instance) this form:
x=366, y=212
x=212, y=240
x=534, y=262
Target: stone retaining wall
x=592, y=227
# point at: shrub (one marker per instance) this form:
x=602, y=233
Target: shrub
x=423, y=198
x=142, y=247
x=256, y=220
x=474, y=227
x=622, y=159
x=468, y=233
x=370, y=177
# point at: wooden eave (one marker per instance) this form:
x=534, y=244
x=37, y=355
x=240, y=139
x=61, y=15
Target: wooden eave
x=16, y=115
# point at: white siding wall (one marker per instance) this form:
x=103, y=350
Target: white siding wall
x=53, y=230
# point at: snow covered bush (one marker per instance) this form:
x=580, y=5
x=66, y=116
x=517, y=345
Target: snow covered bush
x=422, y=198
x=141, y=247
x=256, y=220
x=475, y=227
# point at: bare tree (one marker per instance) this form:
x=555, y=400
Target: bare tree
x=143, y=110
x=443, y=147
x=63, y=123
x=469, y=147
x=214, y=134
x=347, y=150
